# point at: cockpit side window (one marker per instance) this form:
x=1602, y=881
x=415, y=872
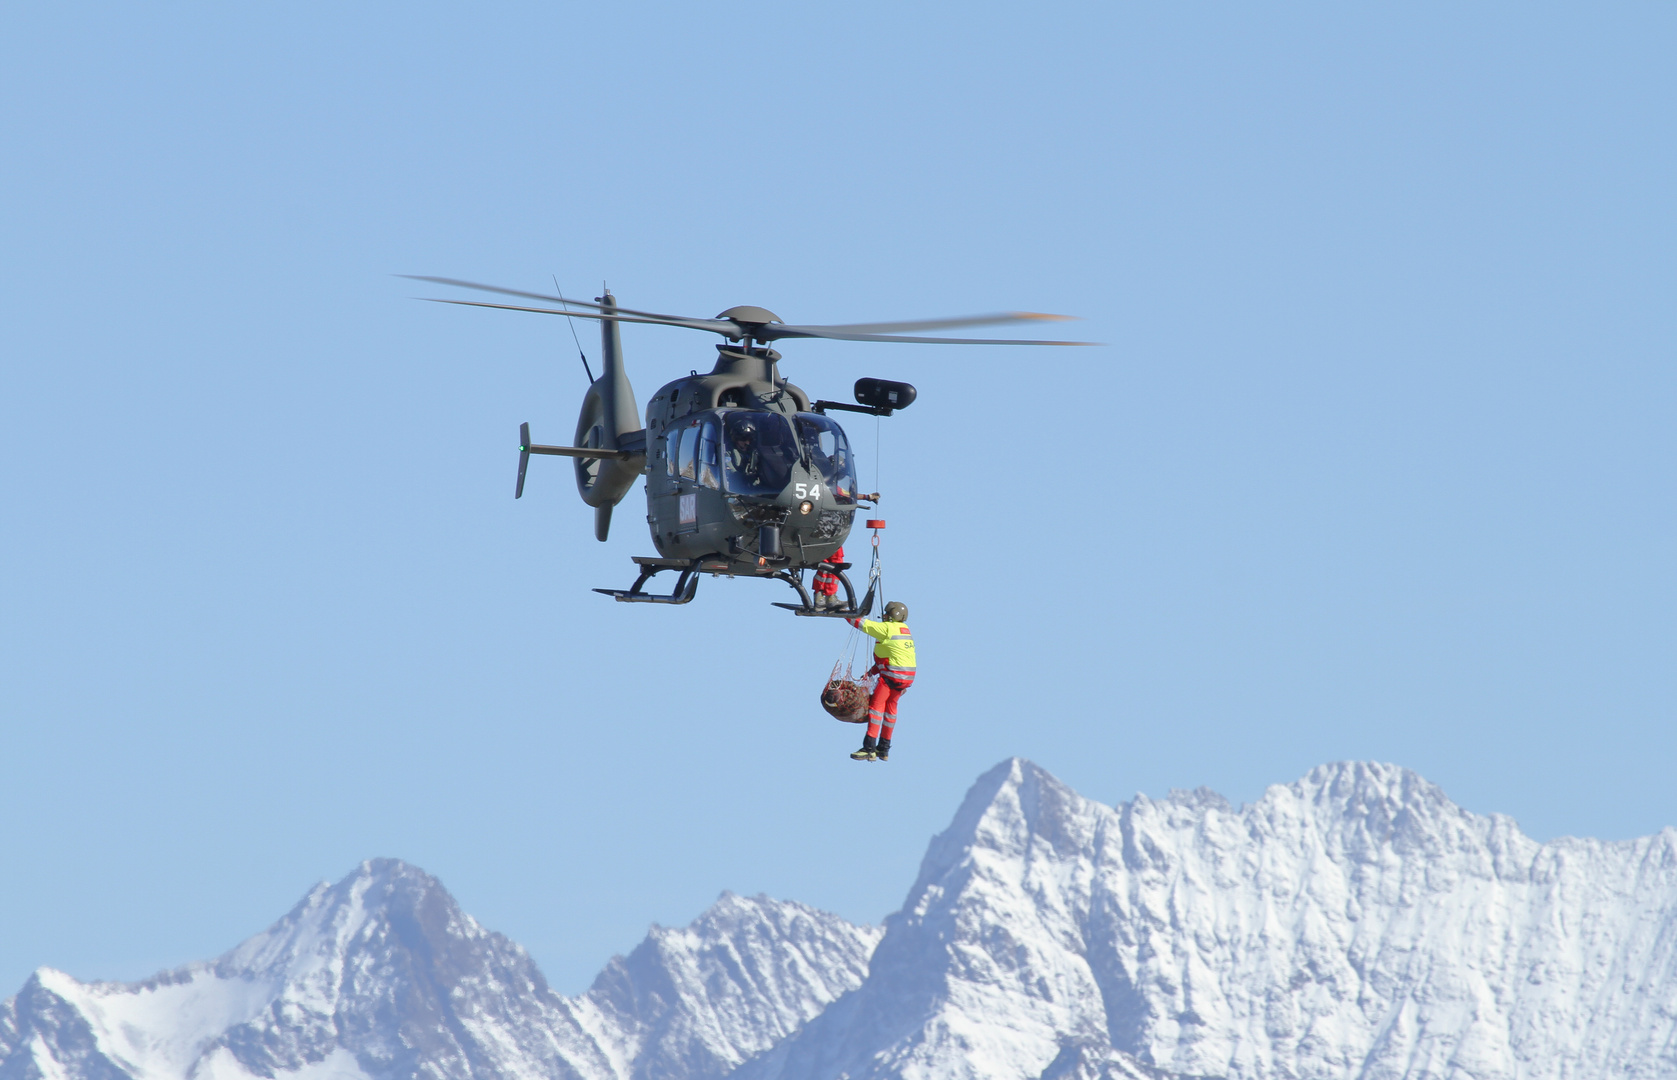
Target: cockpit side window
x=828, y=452
x=710, y=458
x=689, y=446
x=759, y=451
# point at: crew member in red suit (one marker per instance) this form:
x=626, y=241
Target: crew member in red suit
x=826, y=583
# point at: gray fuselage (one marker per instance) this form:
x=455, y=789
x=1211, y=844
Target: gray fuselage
x=737, y=449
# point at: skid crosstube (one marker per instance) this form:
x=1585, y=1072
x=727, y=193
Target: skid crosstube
x=686, y=583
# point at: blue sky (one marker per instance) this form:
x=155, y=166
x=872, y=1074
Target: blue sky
x=1377, y=462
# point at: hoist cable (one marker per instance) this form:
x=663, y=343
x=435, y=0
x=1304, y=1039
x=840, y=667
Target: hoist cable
x=876, y=457
x=876, y=573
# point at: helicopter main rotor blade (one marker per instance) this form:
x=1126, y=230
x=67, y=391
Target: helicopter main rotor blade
x=994, y=319
x=726, y=327
x=763, y=332
x=537, y=296
x=774, y=332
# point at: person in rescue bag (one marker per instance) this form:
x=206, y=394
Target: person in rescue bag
x=893, y=662
x=826, y=585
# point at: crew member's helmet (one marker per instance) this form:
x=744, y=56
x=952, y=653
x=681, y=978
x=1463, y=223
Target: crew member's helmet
x=896, y=611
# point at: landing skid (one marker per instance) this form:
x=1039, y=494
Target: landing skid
x=687, y=586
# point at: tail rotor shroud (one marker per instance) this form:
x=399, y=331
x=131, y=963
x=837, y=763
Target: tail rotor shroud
x=610, y=444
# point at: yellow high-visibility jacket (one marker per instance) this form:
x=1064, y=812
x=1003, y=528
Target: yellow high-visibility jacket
x=892, y=641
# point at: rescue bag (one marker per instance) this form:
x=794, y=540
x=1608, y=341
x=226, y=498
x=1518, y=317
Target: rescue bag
x=846, y=695
x=846, y=698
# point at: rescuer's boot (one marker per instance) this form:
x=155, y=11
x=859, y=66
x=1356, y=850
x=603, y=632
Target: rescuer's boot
x=883, y=751
x=866, y=753
x=820, y=601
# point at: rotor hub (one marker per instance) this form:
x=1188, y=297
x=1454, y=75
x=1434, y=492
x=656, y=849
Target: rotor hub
x=746, y=315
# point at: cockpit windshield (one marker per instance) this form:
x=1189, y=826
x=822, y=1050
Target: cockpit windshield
x=828, y=452
x=759, y=450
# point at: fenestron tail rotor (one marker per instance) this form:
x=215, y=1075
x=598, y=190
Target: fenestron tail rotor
x=610, y=450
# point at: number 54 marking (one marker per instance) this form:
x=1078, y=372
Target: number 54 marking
x=813, y=490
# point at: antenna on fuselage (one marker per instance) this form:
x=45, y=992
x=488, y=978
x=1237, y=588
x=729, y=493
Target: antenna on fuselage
x=572, y=324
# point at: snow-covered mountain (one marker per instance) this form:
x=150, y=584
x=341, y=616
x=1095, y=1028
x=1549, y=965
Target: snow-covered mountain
x=747, y=973
x=1355, y=924
x=383, y=976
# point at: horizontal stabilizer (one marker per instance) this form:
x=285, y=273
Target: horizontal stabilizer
x=580, y=452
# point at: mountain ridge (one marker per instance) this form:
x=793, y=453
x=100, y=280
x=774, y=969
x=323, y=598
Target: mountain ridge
x=1353, y=923
x=382, y=975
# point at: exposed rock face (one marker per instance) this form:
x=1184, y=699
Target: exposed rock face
x=1355, y=924
x=1093, y=1060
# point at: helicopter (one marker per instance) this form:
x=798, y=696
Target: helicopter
x=746, y=475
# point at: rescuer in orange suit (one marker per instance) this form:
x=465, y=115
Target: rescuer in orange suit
x=825, y=587
x=893, y=662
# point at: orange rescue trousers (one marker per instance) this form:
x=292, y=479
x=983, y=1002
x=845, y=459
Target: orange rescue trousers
x=882, y=708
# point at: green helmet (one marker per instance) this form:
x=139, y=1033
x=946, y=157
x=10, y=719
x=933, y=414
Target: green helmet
x=896, y=611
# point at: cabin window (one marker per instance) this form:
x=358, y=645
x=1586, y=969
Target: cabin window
x=710, y=456
x=759, y=450
x=828, y=453
x=689, y=446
